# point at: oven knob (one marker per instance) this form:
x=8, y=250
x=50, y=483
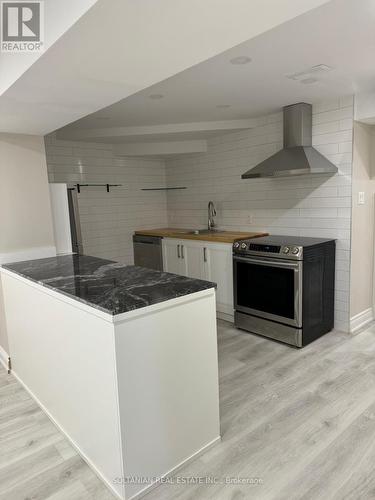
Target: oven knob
x=295, y=250
x=286, y=250
x=243, y=246
x=236, y=245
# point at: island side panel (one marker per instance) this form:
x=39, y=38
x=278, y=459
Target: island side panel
x=167, y=369
x=65, y=358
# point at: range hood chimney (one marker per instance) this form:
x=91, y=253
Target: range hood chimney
x=298, y=157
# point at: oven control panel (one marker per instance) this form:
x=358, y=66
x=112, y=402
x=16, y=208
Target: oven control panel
x=248, y=247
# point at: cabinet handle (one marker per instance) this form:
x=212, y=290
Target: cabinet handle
x=205, y=254
x=178, y=251
x=182, y=252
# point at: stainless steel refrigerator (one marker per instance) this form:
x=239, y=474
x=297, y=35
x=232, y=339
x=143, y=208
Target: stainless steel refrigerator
x=66, y=220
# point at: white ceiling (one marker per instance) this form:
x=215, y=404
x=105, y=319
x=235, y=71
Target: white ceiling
x=120, y=47
x=340, y=34
x=59, y=17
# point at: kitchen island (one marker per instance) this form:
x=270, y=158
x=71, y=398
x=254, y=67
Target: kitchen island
x=123, y=359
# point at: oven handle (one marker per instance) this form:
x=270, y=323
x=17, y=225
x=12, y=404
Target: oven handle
x=269, y=263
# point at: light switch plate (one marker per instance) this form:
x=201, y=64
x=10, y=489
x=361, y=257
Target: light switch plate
x=361, y=197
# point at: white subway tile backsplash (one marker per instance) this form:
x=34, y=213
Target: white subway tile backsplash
x=326, y=128
x=346, y=147
x=319, y=212
x=334, y=138
x=346, y=101
x=341, y=113
x=342, y=306
x=344, y=201
x=346, y=124
x=342, y=296
x=329, y=105
x=327, y=149
x=344, y=213
x=109, y=219
x=345, y=191
x=343, y=254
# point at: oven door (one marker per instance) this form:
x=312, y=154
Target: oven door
x=269, y=288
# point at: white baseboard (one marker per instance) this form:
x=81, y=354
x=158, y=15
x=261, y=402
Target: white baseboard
x=362, y=319
x=27, y=254
x=71, y=441
x=4, y=358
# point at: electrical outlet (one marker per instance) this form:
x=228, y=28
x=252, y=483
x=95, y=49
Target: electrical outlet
x=361, y=197
x=250, y=219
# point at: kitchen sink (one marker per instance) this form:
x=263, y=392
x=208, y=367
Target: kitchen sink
x=205, y=231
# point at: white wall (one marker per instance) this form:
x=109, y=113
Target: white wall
x=363, y=220
x=309, y=206
x=25, y=212
x=109, y=219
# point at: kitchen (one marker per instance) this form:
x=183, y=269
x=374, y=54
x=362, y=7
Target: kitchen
x=240, y=354
x=310, y=206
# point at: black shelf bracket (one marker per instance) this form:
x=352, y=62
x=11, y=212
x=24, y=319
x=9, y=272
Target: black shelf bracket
x=107, y=186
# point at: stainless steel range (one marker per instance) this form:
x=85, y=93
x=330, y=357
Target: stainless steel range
x=284, y=287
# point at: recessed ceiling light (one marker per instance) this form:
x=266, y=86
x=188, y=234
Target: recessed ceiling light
x=223, y=106
x=240, y=60
x=156, y=96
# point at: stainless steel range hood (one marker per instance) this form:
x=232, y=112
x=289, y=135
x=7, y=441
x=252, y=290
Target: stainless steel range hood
x=298, y=156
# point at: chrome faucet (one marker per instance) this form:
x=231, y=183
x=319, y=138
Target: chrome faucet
x=211, y=215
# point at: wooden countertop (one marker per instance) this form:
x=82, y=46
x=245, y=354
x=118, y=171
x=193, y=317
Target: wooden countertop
x=218, y=237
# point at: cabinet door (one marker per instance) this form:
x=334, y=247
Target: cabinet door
x=172, y=260
x=220, y=271
x=184, y=252
x=174, y=256
x=193, y=255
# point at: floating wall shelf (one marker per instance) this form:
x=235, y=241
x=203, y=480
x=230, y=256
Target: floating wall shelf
x=107, y=186
x=162, y=189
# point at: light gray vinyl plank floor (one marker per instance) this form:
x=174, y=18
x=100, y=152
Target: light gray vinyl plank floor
x=302, y=421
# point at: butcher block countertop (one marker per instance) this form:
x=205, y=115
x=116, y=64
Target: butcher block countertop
x=186, y=234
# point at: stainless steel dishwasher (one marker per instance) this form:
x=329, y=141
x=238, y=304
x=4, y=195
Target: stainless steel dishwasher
x=148, y=251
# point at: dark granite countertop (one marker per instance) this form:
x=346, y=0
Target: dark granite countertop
x=106, y=285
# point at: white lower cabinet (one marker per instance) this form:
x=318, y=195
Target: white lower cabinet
x=174, y=256
x=203, y=260
x=220, y=271
x=196, y=261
